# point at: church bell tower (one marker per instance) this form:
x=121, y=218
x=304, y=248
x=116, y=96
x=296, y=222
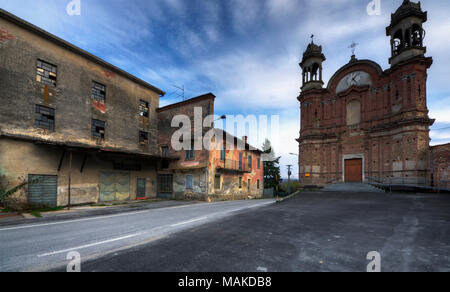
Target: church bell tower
x=407, y=33
x=312, y=67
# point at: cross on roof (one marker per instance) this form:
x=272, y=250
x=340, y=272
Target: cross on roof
x=353, y=47
x=312, y=38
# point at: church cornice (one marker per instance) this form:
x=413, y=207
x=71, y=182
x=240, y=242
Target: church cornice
x=427, y=61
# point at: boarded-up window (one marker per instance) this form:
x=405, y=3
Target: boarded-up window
x=45, y=73
x=98, y=129
x=98, y=92
x=189, y=182
x=143, y=138
x=45, y=117
x=240, y=182
x=353, y=113
x=144, y=109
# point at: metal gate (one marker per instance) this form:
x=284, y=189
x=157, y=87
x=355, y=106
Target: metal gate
x=43, y=190
x=165, y=186
x=114, y=186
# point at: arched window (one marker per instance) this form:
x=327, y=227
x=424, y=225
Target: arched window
x=315, y=70
x=417, y=35
x=397, y=42
x=353, y=113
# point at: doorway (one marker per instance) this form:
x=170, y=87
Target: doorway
x=353, y=171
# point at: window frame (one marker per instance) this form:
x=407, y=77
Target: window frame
x=41, y=75
x=102, y=135
x=146, y=105
x=95, y=96
x=144, y=143
x=37, y=122
x=192, y=182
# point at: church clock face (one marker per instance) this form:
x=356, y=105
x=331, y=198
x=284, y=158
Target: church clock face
x=357, y=78
x=354, y=79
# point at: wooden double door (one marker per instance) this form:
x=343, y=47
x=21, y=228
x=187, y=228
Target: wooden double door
x=354, y=170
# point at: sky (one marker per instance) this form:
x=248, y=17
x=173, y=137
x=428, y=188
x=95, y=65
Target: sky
x=246, y=52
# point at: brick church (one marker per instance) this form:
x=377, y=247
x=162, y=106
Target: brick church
x=368, y=122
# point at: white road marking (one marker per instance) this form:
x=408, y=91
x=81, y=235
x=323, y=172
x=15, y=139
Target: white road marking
x=88, y=245
x=188, y=222
x=89, y=219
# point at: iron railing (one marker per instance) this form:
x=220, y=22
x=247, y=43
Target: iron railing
x=232, y=165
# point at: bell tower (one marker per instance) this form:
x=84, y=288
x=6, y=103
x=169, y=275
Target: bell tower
x=312, y=67
x=407, y=33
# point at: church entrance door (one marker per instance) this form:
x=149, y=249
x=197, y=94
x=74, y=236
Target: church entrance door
x=353, y=170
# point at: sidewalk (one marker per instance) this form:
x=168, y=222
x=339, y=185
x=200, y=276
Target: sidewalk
x=8, y=219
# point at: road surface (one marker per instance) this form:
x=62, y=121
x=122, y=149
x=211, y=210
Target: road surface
x=42, y=247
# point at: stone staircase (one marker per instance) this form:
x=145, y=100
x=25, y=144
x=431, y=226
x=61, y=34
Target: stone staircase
x=352, y=188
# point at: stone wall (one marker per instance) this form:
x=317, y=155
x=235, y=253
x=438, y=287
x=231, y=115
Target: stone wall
x=441, y=165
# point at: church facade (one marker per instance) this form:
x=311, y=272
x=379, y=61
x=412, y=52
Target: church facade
x=368, y=123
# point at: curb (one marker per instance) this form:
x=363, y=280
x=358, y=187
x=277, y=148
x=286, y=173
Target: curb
x=287, y=198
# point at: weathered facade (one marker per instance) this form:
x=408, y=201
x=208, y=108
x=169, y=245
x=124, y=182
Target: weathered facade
x=236, y=172
x=60, y=102
x=440, y=160
x=368, y=122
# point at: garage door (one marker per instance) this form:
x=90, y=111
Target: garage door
x=43, y=190
x=353, y=170
x=114, y=186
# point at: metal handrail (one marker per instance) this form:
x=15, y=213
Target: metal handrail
x=234, y=165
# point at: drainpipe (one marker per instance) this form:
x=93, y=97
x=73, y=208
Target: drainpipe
x=70, y=177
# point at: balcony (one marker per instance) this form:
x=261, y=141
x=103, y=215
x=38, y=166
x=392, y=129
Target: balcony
x=232, y=166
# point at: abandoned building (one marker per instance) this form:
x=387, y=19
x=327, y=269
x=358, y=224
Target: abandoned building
x=440, y=167
x=225, y=171
x=75, y=126
x=65, y=111
x=368, y=122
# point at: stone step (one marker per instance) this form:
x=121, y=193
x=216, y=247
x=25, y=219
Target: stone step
x=352, y=188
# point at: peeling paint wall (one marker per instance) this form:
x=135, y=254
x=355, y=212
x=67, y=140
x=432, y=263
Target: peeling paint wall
x=20, y=93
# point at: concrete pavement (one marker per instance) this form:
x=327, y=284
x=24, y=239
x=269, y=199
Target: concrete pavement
x=44, y=245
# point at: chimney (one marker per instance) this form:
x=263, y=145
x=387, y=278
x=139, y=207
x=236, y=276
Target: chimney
x=245, y=139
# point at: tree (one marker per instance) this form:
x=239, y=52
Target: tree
x=271, y=167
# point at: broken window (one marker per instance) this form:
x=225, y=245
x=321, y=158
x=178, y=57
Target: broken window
x=46, y=73
x=45, y=117
x=98, y=92
x=189, y=182
x=144, y=109
x=98, y=129
x=143, y=138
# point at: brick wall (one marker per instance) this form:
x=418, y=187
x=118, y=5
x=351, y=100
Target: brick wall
x=441, y=165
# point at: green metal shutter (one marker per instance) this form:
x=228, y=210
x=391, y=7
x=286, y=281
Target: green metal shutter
x=43, y=190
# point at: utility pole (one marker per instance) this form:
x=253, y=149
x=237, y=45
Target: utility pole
x=289, y=178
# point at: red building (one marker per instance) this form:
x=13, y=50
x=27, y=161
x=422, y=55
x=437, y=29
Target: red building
x=368, y=122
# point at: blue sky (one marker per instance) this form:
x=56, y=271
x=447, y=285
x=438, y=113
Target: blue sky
x=244, y=51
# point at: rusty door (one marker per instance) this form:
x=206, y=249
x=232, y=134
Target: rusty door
x=353, y=170
x=114, y=186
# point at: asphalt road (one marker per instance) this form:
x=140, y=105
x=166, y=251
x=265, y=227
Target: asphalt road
x=311, y=232
x=45, y=246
